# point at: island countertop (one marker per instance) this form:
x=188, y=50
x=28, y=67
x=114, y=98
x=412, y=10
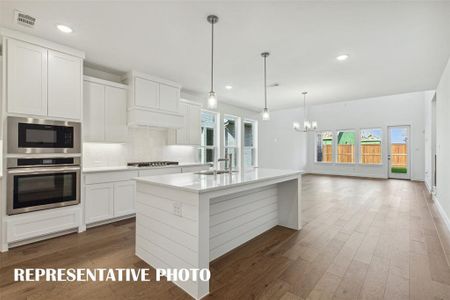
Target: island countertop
x=200, y=183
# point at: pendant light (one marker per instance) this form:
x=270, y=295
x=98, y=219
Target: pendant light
x=265, y=113
x=212, y=98
x=307, y=124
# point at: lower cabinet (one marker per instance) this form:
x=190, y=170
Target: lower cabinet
x=124, y=197
x=105, y=201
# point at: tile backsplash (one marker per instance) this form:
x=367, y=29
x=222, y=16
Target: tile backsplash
x=144, y=144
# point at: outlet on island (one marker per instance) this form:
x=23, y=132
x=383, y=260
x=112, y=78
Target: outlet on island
x=178, y=209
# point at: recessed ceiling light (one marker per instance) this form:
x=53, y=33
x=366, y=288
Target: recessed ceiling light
x=64, y=28
x=342, y=57
x=228, y=87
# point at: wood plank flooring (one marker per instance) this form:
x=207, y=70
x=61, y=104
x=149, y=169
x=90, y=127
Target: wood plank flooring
x=362, y=239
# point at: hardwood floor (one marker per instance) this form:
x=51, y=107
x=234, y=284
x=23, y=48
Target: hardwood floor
x=362, y=239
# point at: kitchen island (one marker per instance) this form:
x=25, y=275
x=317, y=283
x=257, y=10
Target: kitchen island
x=187, y=220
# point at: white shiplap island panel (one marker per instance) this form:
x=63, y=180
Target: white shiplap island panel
x=187, y=220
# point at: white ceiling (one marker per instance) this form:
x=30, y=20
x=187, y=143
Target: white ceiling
x=394, y=47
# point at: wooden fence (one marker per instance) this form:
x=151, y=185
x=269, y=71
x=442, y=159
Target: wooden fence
x=370, y=154
x=399, y=156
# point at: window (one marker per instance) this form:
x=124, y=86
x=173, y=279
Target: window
x=370, y=146
x=231, y=139
x=324, y=152
x=345, y=146
x=250, y=143
x=208, y=142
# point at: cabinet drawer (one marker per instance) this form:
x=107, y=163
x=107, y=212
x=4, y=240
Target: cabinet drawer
x=36, y=224
x=161, y=171
x=103, y=177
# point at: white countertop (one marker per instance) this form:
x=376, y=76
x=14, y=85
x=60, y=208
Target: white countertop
x=202, y=183
x=125, y=168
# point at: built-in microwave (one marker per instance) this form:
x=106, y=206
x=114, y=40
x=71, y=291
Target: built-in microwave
x=32, y=135
x=42, y=183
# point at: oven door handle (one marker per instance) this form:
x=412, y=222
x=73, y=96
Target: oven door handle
x=43, y=170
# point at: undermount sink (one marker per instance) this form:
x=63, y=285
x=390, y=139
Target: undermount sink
x=212, y=172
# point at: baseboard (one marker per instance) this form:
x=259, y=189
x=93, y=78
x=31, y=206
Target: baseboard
x=441, y=212
x=370, y=176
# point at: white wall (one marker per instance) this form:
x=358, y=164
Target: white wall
x=430, y=139
x=379, y=112
x=443, y=142
x=281, y=147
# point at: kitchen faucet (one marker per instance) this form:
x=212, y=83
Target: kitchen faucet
x=229, y=160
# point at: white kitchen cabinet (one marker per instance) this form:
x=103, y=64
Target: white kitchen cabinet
x=189, y=134
x=105, y=111
x=124, y=197
x=26, y=78
x=153, y=101
x=64, y=85
x=94, y=111
x=116, y=129
x=146, y=93
x=43, y=82
x=169, y=97
x=99, y=202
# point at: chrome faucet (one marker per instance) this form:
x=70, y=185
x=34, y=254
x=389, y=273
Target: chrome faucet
x=229, y=161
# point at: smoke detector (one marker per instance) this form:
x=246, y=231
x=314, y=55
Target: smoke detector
x=23, y=19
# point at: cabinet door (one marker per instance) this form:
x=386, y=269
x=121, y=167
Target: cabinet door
x=194, y=125
x=169, y=97
x=94, y=112
x=182, y=133
x=116, y=129
x=124, y=198
x=99, y=202
x=26, y=78
x=64, y=85
x=146, y=93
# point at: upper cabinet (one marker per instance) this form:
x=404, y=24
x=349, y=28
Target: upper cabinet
x=26, y=78
x=189, y=134
x=42, y=78
x=105, y=111
x=153, y=101
x=64, y=85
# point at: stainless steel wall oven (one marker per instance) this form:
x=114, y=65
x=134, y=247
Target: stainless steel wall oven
x=41, y=183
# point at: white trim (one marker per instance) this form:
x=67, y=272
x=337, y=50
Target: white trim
x=8, y=33
x=332, y=173
x=441, y=212
x=132, y=75
x=105, y=82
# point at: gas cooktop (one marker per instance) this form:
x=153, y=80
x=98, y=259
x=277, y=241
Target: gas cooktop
x=152, y=163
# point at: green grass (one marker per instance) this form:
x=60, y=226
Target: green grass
x=402, y=170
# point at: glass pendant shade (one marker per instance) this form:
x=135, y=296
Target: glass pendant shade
x=265, y=114
x=212, y=101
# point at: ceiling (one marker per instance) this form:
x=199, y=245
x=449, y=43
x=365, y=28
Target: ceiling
x=394, y=47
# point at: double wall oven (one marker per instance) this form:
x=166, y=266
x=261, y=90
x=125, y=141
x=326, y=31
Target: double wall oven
x=43, y=164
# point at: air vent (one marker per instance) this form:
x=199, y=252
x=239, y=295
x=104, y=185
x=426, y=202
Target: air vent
x=24, y=19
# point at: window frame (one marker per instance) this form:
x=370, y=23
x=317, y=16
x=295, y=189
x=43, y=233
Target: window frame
x=381, y=147
x=215, y=146
x=355, y=147
x=332, y=145
x=238, y=147
x=255, y=143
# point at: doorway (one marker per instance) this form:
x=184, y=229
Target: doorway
x=398, y=152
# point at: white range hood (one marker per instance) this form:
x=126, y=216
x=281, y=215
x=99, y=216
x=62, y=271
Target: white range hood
x=153, y=102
